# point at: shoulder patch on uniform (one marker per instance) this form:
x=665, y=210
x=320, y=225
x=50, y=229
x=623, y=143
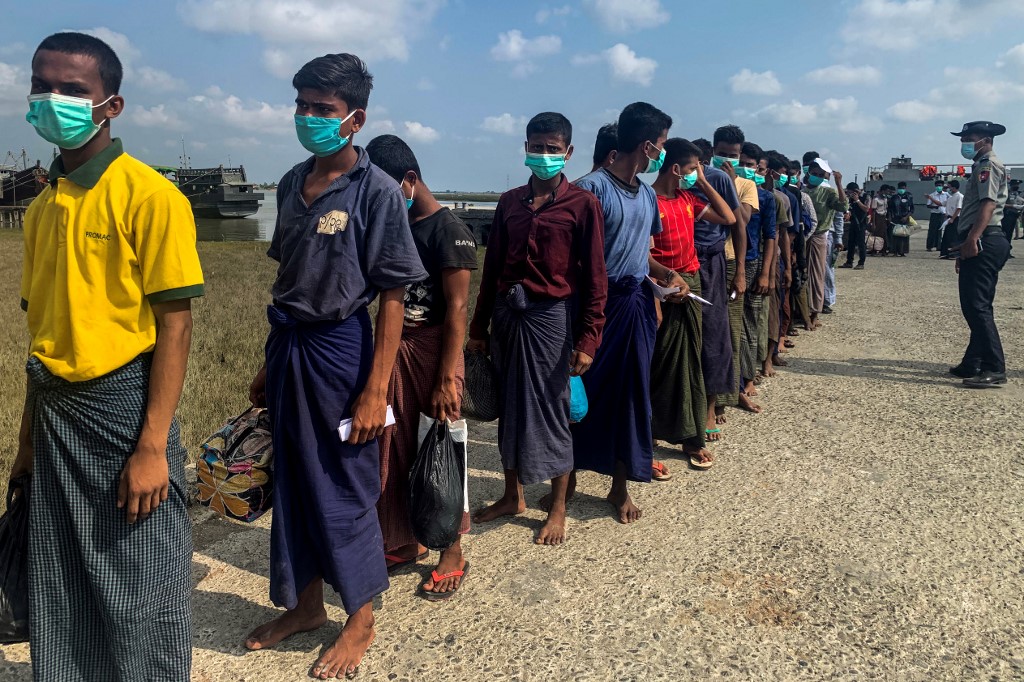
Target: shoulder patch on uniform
x=983, y=175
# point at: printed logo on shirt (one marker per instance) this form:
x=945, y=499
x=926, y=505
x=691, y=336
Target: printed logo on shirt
x=465, y=242
x=983, y=176
x=98, y=235
x=332, y=223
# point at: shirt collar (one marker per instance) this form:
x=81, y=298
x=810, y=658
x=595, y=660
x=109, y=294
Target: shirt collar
x=90, y=172
x=528, y=196
x=341, y=182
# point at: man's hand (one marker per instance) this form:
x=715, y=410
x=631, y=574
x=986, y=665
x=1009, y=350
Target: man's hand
x=478, y=346
x=258, y=388
x=956, y=265
x=369, y=413
x=739, y=283
x=729, y=170
x=444, y=403
x=143, y=485
x=580, y=363
x=969, y=249
x=675, y=280
x=789, y=277
x=838, y=177
x=700, y=173
x=839, y=246
x=761, y=286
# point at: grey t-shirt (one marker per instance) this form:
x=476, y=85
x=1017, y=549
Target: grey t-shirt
x=338, y=253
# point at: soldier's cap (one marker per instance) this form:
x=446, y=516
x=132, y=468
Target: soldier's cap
x=986, y=128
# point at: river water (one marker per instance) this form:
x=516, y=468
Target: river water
x=259, y=227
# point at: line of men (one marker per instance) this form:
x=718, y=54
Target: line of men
x=569, y=287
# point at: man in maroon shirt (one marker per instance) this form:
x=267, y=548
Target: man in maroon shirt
x=545, y=259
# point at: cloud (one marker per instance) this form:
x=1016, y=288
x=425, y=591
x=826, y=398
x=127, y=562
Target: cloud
x=746, y=82
x=157, y=80
x=14, y=87
x=906, y=25
x=381, y=126
x=513, y=47
x=135, y=74
x=623, y=64
x=252, y=116
x=155, y=117
x=916, y=111
x=505, y=124
x=842, y=114
x=842, y=74
x=546, y=13
x=417, y=132
x=424, y=84
x=624, y=16
x=1013, y=57
x=292, y=30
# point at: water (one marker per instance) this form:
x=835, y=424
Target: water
x=260, y=227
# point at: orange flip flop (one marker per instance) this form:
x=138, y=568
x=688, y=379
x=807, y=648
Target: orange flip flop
x=660, y=472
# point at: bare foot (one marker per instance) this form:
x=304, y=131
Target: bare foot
x=570, y=492
x=719, y=415
x=284, y=626
x=767, y=369
x=779, y=362
x=506, y=506
x=749, y=405
x=751, y=389
x=623, y=503
x=553, y=530
x=451, y=560
x=342, y=658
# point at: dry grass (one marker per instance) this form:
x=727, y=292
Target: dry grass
x=227, y=342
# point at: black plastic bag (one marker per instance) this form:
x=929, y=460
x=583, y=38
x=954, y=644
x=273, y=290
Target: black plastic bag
x=480, y=398
x=436, y=493
x=14, y=564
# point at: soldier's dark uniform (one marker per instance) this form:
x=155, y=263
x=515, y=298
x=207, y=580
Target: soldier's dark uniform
x=980, y=274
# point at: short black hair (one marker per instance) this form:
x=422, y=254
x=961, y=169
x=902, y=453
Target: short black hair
x=795, y=165
x=753, y=151
x=954, y=183
x=777, y=161
x=809, y=158
x=392, y=155
x=852, y=185
x=1014, y=181
x=550, y=122
x=678, y=150
x=729, y=134
x=706, y=150
x=607, y=139
x=343, y=75
x=638, y=123
x=901, y=183
x=72, y=42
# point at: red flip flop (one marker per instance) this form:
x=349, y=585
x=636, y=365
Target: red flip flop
x=437, y=577
x=660, y=472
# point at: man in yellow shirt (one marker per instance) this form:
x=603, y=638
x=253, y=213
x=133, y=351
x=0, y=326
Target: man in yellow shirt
x=110, y=268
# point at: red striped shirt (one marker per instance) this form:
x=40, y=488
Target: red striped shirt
x=674, y=247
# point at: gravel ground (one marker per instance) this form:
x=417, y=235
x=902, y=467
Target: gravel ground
x=867, y=526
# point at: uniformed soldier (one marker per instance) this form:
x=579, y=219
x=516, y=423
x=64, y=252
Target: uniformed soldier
x=983, y=253
x=1011, y=212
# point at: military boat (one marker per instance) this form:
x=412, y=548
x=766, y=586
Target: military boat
x=219, y=192
x=921, y=179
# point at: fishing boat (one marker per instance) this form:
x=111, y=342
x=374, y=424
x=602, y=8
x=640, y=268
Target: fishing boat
x=19, y=182
x=219, y=192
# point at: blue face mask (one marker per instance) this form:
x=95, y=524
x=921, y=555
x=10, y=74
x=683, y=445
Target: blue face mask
x=758, y=179
x=782, y=181
x=321, y=136
x=409, y=200
x=688, y=180
x=62, y=120
x=545, y=166
x=805, y=169
x=901, y=192
x=745, y=172
x=719, y=161
x=815, y=181
x=967, y=150
x=654, y=165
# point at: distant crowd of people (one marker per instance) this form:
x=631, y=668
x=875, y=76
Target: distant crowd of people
x=671, y=299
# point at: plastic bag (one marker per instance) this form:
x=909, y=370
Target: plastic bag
x=14, y=564
x=480, y=400
x=578, y=403
x=437, y=485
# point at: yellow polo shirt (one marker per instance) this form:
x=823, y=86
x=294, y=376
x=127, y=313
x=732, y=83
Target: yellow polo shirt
x=102, y=244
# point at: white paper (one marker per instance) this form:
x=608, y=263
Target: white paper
x=345, y=427
x=699, y=299
x=660, y=292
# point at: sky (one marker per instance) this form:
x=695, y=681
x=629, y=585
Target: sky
x=860, y=81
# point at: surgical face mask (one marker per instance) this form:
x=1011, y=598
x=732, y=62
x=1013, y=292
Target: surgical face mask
x=815, y=181
x=938, y=188
x=758, y=179
x=744, y=172
x=901, y=191
x=545, y=166
x=805, y=169
x=688, y=180
x=782, y=181
x=321, y=136
x=967, y=150
x=409, y=200
x=62, y=120
x=719, y=161
x=654, y=165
